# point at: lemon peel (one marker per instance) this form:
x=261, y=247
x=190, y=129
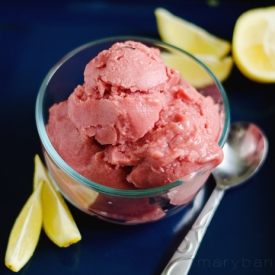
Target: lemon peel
x=25, y=233
x=253, y=44
x=188, y=36
x=58, y=222
x=195, y=74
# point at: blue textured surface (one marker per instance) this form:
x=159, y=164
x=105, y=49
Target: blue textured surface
x=33, y=37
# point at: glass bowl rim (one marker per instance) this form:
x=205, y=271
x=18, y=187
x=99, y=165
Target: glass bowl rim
x=75, y=175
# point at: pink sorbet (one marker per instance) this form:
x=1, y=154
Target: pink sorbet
x=135, y=123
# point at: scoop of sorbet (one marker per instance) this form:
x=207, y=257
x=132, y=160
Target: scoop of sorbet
x=122, y=95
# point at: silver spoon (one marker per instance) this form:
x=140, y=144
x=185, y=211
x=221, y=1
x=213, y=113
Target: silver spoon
x=244, y=153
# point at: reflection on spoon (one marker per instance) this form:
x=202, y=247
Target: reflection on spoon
x=244, y=153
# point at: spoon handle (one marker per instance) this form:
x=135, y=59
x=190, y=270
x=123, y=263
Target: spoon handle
x=182, y=259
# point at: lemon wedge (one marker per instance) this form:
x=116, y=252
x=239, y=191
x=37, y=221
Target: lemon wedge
x=40, y=172
x=195, y=74
x=208, y=48
x=25, y=232
x=58, y=221
x=253, y=44
x=187, y=36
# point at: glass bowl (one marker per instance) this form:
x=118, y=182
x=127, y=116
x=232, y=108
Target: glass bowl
x=111, y=204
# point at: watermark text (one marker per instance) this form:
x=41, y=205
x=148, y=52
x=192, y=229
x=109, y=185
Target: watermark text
x=236, y=263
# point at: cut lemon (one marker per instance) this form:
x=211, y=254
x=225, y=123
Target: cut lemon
x=253, y=44
x=187, y=36
x=25, y=232
x=58, y=221
x=195, y=74
x=40, y=172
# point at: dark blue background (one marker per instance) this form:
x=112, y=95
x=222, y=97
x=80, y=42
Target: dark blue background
x=34, y=35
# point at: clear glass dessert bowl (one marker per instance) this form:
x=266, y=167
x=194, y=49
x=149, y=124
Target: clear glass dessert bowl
x=107, y=203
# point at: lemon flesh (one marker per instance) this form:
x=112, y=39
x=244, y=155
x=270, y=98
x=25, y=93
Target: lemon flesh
x=187, y=36
x=58, y=221
x=194, y=73
x=253, y=44
x=25, y=232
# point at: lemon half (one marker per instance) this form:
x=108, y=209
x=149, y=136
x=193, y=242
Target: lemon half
x=253, y=44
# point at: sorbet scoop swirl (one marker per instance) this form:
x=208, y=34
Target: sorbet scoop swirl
x=135, y=122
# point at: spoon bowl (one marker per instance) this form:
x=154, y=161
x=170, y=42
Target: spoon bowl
x=244, y=153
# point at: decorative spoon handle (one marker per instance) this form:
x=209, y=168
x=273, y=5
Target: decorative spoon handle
x=181, y=261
